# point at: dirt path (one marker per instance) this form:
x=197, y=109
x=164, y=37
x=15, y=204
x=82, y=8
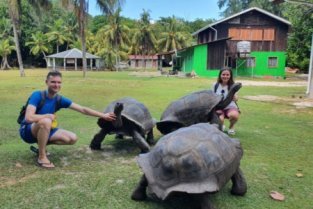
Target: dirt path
x=272, y=83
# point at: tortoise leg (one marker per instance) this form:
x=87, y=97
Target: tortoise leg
x=204, y=200
x=141, y=142
x=150, y=138
x=139, y=193
x=239, y=183
x=97, y=139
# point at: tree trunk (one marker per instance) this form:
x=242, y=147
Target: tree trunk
x=116, y=55
x=5, y=64
x=17, y=46
x=310, y=78
x=82, y=33
x=44, y=55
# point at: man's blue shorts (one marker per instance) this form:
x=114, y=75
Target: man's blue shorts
x=26, y=133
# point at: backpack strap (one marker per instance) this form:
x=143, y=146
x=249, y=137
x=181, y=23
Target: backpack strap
x=43, y=99
x=215, y=87
x=58, y=103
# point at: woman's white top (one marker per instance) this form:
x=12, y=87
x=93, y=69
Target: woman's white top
x=223, y=90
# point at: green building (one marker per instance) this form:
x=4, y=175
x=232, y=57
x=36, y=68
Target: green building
x=252, y=43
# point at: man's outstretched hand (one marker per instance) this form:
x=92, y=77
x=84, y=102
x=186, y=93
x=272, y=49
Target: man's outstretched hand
x=109, y=116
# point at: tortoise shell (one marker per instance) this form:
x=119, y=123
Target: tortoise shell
x=195, y=159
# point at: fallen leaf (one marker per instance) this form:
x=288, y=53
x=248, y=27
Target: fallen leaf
x=18, y=165
x=277, y=196
x=299, y=175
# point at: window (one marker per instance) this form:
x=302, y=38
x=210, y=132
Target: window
x=252, y=34
x=272, y=62
x=250, y=62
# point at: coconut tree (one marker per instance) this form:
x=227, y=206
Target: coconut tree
x=14, y=12
x=114, y=36
x=6, y=48
x=174, y=36
x=57, y=33
x=71, y=29
x=81, y=9
x=5, y=28
x=14, y=8
x=39, y=44
x=144, y=41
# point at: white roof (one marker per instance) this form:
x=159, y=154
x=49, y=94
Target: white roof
x=73, y=53
x=242, y=12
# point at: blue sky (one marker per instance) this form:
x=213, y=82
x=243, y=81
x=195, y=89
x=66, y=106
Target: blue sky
x=187, y=9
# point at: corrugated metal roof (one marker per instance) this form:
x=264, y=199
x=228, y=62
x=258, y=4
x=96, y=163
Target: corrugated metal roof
x=210, y=42
x=240, y=13
x=73, y=53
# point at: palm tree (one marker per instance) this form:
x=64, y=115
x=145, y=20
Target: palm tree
x=5, y=28
x=115, y=36
x=39, y=44
x=14, y=13
x=71, y=29
x=57, y=33
x=174, y=36
x=6, y=49
x=144, y=41
x=81, y=9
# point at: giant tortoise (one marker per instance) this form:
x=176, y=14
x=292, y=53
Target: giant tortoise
x=132, y=119
x=197, y=161
x=197, y=107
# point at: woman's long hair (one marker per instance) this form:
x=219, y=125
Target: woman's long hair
x=230, y=81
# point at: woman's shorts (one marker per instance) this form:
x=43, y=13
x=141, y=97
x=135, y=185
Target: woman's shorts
x=27, y=136
x=226, y=112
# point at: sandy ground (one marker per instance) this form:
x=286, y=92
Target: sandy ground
x=297, y=101
x=272, y=83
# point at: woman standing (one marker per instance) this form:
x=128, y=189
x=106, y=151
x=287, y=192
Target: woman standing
x=231, y=112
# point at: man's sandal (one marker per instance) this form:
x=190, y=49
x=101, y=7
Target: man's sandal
x=48, y=165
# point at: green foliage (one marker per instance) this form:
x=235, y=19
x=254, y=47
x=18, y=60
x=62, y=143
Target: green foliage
x=276, y=138
x=97, y=22
x=300, y=40
x=39, y=44
x=174, y=35
x=6, y=48
x=167, y=33
x=197, y=24
x=144, y=41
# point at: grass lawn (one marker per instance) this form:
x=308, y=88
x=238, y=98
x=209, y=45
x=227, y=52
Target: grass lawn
x=277, y=139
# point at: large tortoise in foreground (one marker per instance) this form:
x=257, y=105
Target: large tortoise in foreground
x=132, y=119
x=197, y=160
x=197, y=107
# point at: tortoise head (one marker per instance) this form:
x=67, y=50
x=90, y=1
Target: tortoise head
x=118, y=111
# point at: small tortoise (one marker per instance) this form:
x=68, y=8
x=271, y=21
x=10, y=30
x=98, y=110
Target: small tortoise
x=197, y=160
x=132, y=119
x=197, y=107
